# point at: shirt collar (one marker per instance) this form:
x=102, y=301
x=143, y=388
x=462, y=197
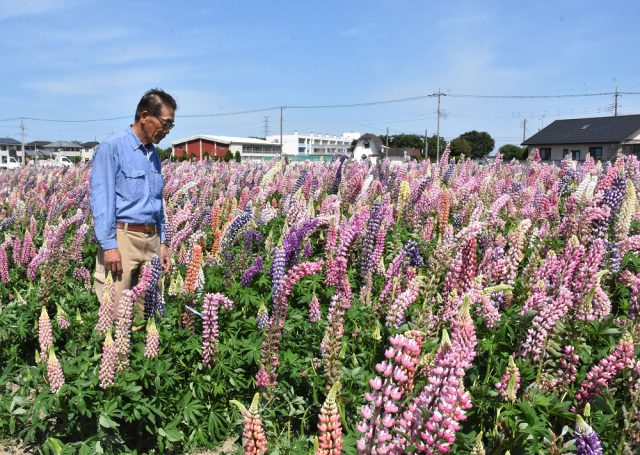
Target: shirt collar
x=135, y=142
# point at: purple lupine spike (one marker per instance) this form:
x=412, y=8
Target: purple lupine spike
x=263, y=317
x=151, y=294
x=413, y=254
x=230, y=234
x=369, y=239
x=252, y=271
x=587, y=441
x=210, y=331
x=277, y=271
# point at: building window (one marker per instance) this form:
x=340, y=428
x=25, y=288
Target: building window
x=575, y=155
x=366, y=144
x=565, y=153
x=545, y=153
x=596, y=152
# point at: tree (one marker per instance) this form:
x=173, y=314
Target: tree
x=227, y=156
x=164, y=154
x=481, y=143
x=237, y=156
x=432, y=142
x=460, y=146
x=510, y=151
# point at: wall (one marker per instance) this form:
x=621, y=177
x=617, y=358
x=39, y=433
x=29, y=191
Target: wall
x=557, y=151
x=192, y=149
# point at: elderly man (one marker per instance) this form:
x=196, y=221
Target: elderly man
x=126, y=196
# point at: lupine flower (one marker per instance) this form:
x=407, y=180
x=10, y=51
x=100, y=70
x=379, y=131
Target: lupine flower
x=388, y=391
x=4, y=265
x=395, y=313
x=230, y=234
x=193, y=269
x=263, y=317
x=108, y=363
x=187, y=319
x=123, y=329
x=82, y=274
x=600, y=375
x=107, y=306
x=510, y=382
x=153, y=301
x=54, y=372
x=567, y=369
x=329, y=425
x=277, y=271
x=332, y=339
x=144, y=282
x=314, y=310
x=587, y=442
x=252, y=272
x=62, y=318
x=255, y=440
x=212, y=303
x=478, y=447
x=153, y=340
x=45, y=333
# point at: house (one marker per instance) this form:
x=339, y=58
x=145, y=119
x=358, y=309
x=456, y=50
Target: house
x=87, y=151
x=63, y=148
x=401, y=154
x=314, y=147
x=35, y=147
x=601, y=137
x=10, y=148
x=369, y=146
x=203, y=145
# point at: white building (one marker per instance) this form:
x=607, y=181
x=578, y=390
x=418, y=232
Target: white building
x=369, y=146
x=315, y=147
x=62, y=148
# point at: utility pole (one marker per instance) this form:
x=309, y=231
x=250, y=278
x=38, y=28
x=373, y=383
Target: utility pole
x=524, y=129
x=266, y=126
x=615, y=102
x=426, y=145
x=387, y=151
x=22, y=138
x=439, y=94
x=281, y=121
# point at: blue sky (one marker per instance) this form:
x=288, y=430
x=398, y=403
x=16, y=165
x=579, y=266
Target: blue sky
x=86, y=59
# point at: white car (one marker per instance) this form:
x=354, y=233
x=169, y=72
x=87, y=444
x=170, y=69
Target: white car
x=9, y=163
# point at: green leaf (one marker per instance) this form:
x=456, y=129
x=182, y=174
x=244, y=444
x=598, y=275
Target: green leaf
x=106, y=422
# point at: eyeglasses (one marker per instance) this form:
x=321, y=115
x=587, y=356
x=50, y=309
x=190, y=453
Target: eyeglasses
x=166, y=124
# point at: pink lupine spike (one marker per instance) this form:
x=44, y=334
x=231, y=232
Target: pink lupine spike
x=54, y=372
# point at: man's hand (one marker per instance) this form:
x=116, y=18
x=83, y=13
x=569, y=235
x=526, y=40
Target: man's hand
x=113, y=263
x=164, y=257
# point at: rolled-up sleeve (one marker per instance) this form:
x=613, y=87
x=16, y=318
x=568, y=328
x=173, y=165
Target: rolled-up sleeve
x=103, y=196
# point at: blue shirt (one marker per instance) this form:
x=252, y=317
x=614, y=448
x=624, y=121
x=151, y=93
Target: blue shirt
x=125, y=185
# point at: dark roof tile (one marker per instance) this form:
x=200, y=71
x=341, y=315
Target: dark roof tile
x=611, y=130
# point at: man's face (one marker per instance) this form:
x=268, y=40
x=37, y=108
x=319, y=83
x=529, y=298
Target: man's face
x=156, y=127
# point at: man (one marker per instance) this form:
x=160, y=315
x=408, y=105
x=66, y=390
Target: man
x=126, y=196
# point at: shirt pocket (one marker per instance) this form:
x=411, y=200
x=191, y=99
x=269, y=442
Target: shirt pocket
x=155, y=183
x=133, y=183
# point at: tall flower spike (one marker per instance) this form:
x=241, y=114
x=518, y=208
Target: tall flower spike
x=255, y=440
x=105, y=313
x=510, y=383
x=54, y=372
x=45, y=333
x=108, y=363
x=329, y=425
x=123, y=329
x=587, y=442
x=153, y=340
x=62, y=318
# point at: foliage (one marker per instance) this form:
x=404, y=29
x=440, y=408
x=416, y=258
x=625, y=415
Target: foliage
x=460, y=146
x=481, y=143
x=510, y=151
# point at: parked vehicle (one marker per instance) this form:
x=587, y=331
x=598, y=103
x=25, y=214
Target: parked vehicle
x=59, y=160
x=11, y=163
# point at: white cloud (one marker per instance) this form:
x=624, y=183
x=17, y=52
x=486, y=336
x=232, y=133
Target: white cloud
x=17, y=8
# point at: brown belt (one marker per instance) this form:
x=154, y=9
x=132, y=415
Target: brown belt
x=144, y=228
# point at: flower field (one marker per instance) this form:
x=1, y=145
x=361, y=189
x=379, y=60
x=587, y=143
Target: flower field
x=332, y=308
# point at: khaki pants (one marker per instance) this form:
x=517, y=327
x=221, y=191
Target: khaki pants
x=136, y=248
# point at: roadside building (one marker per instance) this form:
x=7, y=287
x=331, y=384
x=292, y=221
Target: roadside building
x=601, y=137
x=10, y=148
x=62, y=148
x=204, y=146
x=87, y=151
x=314, y=147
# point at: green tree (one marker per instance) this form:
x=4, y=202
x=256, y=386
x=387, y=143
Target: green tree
x=432, y=142
x=237, y=156
x=164, y=153
x=460, y=146
x=481, y=143
x=227, y=156
x=510, y=151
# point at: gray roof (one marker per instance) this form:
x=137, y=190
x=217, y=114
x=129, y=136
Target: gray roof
x=8, y=141
x=89, y=145
x=372, y=138
x=37, y=143
x=595, y=130
x=62, y=144
x=400, y=151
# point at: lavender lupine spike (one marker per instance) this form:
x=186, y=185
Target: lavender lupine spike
x=230, y=234
x=252, y=271
x=263, y=317
x=277, y=271
x=369, y=239
x=587, y=441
